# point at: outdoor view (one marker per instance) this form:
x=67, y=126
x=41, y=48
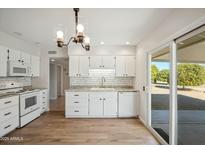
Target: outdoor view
x=160, y=93
x=190, y=92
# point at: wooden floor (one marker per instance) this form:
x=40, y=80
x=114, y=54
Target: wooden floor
x=53, y=128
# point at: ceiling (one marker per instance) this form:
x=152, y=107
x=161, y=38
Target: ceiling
x=112, y=26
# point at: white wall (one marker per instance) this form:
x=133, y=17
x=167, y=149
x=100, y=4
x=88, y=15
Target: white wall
x=19, y=44
x=176, y=23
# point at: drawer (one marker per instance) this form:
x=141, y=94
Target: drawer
x=9, y=125
x=9, y=101
x=7, y=113
x=43, y=109
x=44, y=103
x=44, y=92
x=78, y=102
x=77, y=111
x=77, y=95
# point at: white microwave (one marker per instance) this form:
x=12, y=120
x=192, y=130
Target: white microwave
x=16, y=68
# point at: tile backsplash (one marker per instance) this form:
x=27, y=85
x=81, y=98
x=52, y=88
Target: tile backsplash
x=14, y=82
x=96, y=79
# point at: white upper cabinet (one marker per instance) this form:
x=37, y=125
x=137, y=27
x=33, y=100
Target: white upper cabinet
x=3, y=61
x=96, y=62
x=130, y=65
x=35, y=66
x=79, y=66
x=14, y=55
x=120, y=66
x=25, y=58
x=73, y=65
x=102, y=62
x=108, y=62
x=84, y=66
x=125, y=66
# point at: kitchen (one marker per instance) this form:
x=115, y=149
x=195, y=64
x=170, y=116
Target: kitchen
x=59, y=86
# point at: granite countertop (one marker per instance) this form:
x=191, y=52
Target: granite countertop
x=97, y=89
x=7, y=95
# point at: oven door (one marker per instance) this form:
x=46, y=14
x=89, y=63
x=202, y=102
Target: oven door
x=29, y=102
x=18, y=69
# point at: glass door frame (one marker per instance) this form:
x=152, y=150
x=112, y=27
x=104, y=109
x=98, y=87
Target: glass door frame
x=172, y=94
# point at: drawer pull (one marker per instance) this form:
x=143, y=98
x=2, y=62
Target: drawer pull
x=7, y=126
x=76, y=95
x=76, y=102
x=7, y=102
x=44, y=102
x=7, y=113
x=43, y=97
x=76, y=110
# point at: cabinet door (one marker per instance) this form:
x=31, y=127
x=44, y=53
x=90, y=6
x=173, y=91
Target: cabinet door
x=26, y=58
x=108, y=62
x=14, y=55
x=130, y=65
x=3, y=61
x=120, y=66
x=35, y=66
x=110, y=103
x=128, y=105
x=84, y=66
x=96, y=62
x=96, y=104
x=74, y=66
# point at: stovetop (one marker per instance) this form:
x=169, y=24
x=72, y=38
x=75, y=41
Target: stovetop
x=19, y=92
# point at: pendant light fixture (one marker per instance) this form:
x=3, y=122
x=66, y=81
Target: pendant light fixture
x=79, y=37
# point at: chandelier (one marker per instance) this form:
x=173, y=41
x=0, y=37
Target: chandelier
x=79, y=38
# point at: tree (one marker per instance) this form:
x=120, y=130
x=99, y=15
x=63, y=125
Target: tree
x=154, y=71
x=190, y=75
x=163, y=76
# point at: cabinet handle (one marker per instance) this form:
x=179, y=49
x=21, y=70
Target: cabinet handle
x=104, y=99
x=7, y=113
x=76, y=95
x=75, y=102
x=103, y=66
x=100, y=99
x=7, y=126
x=44, y=102
x=7, y=102
x=76, y=110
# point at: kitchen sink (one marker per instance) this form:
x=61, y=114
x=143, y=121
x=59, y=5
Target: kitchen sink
x=102, y=89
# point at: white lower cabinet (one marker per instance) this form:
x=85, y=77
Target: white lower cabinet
x=44, y=101
x=96, y=104
x=9, y=114
x=76, y=104
x=107, y=101
x=91, y=104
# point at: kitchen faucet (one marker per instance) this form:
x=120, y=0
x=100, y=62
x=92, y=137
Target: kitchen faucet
x=102, y=81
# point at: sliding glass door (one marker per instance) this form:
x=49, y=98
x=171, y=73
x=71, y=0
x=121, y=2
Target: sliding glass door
x=160, y=92
x=191, y=88
x=177, y=90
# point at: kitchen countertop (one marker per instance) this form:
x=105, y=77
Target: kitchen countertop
x=7, y=95
x=97, y=89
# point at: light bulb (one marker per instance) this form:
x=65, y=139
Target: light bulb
x=87, y=40
x=59, y=35
x=80, y=28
